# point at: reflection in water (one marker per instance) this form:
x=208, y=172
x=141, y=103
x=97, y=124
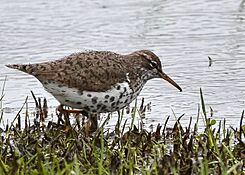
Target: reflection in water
x=183, y=34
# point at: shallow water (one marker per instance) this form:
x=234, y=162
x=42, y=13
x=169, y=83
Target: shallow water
x=182, y=34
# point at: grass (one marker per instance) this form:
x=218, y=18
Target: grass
x=46, y=147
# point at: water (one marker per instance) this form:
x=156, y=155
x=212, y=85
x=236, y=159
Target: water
x=182, y=34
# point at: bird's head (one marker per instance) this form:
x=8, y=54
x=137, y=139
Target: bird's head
x=153, y=65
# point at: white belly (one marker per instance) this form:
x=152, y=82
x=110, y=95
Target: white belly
x=94, y=102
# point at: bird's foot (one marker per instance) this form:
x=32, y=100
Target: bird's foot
x=91, y=124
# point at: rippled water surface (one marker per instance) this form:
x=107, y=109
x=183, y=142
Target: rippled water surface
x=182, y=34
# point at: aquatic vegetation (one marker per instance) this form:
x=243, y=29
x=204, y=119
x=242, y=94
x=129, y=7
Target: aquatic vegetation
x=63, y=147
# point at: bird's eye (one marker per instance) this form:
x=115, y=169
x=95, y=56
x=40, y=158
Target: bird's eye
x=153, y=64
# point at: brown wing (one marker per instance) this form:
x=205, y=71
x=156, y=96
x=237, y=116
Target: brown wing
x=92, y=71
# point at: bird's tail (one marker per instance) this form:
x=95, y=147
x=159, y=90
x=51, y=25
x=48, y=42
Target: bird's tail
x=21, y=67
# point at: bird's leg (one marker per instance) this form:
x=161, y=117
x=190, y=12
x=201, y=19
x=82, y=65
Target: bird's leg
x=90, y=126
x=63, y=111
x=94, y=122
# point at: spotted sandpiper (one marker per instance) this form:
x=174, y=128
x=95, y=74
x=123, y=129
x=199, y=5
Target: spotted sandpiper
x=97, y=81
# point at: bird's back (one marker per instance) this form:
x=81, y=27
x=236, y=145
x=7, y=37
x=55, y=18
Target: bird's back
x=92, y=70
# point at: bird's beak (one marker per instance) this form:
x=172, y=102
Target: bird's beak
x=168, y=79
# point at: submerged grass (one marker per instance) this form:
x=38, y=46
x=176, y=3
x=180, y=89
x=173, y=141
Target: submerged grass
x=64, y=148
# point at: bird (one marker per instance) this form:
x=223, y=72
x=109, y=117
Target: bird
x=97, y=82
